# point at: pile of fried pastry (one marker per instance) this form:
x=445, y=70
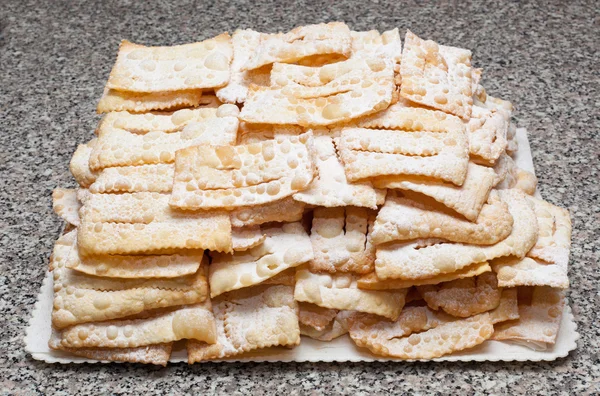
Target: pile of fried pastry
x=246, y=190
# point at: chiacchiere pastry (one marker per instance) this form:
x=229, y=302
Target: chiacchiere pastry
x=246, y=190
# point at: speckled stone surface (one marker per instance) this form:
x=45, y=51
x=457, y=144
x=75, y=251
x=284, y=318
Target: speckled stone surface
x=55, y=57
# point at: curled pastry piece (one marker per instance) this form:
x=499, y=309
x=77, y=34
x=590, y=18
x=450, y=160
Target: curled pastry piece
x=330, y=188
x=467, y=199
x=128, y=140
x=508, y=308
x=229, y=177
x=314, y=316
x=188, y=322
x=464, y=297
x=141, y=102
x=404, y=219
x=158, y=354
x=337, y=327
x=284, y=247
x=80, y=164
x=487, y=135
x=145, y=223
x=546, y=263
x=249, y=319
x=437, y=76
x=158, y=69
x=323, y=95
x=341, y=241
x=540, y=313
x=372, y=282
x=301, y=42
x=424, y=259
x=509, y=175
x=340, y=291
x=419, y=333
x=244, y=43
x=66, y=205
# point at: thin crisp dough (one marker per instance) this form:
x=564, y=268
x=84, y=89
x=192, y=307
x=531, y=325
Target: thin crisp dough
x=285, y=210
x=80, y=164
x=244, y=44
x=437, y=76
x=539, y=317
x=187, y=322
x=333, y=93
x=341, y=241
x=211, y=177
x=132, y=267
x=330, y=188
x=419, y=333
x=151, y=354
x=301, y=42
x=74, y=304
x=487, y=135
x=66, y=205
x=467, y=200
x=284, y=247
x=250, y=319
x=464, y=297
x=141, y=102
x=369, y=153
x=145, y=223
x=150, y=178
x=120, y=147
x=427, y=258
x=340, y=291
x=159, y=69
x=404, y=219
x=372, y=282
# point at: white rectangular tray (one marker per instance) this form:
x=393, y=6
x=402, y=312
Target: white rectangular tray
x=341, y=349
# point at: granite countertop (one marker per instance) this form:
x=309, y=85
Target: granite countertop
x=55, y=57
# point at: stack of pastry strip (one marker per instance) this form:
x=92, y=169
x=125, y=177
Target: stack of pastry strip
x=327, y=182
